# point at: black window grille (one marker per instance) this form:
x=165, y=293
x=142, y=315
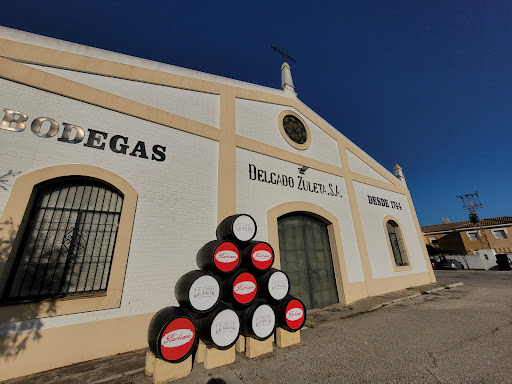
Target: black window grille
x=397, y=246
x=69, y=240
x=295, y=129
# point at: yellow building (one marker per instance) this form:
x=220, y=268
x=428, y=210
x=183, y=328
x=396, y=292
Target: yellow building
x=465, y=237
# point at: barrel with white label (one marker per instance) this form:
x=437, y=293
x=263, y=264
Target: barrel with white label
x=290, y=314
x=237, y=228
x=220, y=328
x=197, y=291
x=258, y=256
x=240, y=289
x=219, y=256
x=274, y=285
x=172, y=335
x=258, y=321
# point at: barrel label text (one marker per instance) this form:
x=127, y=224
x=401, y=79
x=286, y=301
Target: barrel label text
x=294, y=314
x=204, y=293
x=225, y=328
x=244, y=228
x=278, y=285
x=177, y=338
x=226, y=256
x=262, y=256
x=244, y=288
x=263, y=321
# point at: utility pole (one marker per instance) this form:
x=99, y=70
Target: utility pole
x=471, y=202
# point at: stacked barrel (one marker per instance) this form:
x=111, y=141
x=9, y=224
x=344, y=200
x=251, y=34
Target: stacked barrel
x=235, y=292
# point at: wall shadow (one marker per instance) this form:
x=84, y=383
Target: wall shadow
x=20, y=324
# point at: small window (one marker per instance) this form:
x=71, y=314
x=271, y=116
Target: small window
x=434, y=240
x=473, y=236
x=294, y=129
x=499, y=234
x=397, y=245
x=69, y=241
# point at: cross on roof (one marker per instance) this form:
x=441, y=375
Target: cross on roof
x=283, y=53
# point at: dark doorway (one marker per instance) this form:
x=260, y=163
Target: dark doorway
x=305, y=254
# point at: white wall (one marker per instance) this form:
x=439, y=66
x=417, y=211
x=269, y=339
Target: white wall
x=359, y=166
x=198, y=106
x=258, y=121
x=375, y=233
x=177, y=198
x=257, y=198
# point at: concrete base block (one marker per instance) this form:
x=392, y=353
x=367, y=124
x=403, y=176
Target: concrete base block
x=216, y=358
x=150, y=363
x=240, y=344
x=166, y=372
x=255, y=348
x=201, y=350
x=285, y=338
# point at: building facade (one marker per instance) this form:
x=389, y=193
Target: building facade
x=116, y=170
x=466, y=237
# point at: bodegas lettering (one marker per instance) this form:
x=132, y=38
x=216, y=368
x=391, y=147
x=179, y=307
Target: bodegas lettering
x=289, y=181
x=384, y=202
x=15, y=121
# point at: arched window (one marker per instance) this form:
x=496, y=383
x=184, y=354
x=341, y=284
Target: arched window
x=397, y=244
x=68, y=244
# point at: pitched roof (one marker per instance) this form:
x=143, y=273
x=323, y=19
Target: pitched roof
x=466, y=224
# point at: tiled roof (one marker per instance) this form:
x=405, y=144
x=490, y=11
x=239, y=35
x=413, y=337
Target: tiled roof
x=466, y=224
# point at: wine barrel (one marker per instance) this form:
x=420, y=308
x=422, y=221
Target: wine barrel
x=219, y=328
x=237, y=228
x=197, y=291
x=172, y=335
x=258, y=321
x=290, y=314
x=274, y=285
x=240, y=289
x=219, y=256
x=258, y=256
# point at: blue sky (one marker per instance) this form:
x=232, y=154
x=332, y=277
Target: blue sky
x=426, y=84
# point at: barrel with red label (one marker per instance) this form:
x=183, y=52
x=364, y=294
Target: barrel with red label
x=274, y=285
x=258, y=321
x=290, y=314
x=197, y=291
x=237, y=228
x=172, y=335
x=219, y=256
x=258, y=256
x=219, y=328
x=240, y=289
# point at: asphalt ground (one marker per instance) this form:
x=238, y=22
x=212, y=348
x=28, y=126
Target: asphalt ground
x=457, y=335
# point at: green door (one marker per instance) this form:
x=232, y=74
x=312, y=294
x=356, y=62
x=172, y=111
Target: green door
x=305, y=254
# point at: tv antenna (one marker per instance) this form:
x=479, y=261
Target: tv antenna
x=283, y=53
x=471, y=202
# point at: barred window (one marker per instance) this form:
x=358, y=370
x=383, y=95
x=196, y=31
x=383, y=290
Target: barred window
x=69, y=240
x=397, y=246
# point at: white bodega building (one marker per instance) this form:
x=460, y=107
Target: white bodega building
x=115, y=170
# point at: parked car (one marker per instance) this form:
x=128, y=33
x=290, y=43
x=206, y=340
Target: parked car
x=440, y=262
x=457, y=263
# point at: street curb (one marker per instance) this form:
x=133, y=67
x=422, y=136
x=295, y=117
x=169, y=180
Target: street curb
x=114, y=377
x=413, y=296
